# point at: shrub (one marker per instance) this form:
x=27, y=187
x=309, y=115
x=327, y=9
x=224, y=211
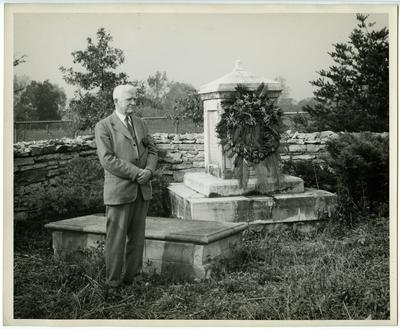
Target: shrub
x=361, y=165
x=79, y=191
x=160, y=205
x=317, y=175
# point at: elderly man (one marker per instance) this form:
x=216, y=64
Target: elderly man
x=129, y=158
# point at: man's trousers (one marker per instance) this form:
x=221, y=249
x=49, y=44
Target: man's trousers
x=125, y=240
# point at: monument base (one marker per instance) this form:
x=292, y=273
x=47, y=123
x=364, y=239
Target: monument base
x=185, y=247
x=211, y=186
x=309, y=205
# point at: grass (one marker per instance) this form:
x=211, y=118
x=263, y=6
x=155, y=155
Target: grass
x=334, y=272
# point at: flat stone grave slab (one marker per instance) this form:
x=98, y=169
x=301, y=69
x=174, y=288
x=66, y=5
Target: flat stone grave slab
x=170, y=244
x=212, y=186
x=275, y=208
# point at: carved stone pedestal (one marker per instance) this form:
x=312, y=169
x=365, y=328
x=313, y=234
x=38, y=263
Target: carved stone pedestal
x=215, y=194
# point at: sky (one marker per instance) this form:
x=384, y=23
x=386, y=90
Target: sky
x=191, y=48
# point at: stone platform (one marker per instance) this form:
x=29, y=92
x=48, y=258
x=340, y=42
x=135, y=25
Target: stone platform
x=211, y=186
x=277, y=208
x=171, y=244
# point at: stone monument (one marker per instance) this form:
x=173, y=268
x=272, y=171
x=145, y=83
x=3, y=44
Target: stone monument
x=205, y=200
x=213, y=94
x=215, y=194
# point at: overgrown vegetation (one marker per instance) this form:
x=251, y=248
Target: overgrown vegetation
x=361, y=165
x=332, y=273
x=78, y=191
x=314, y=174
x=357, y=169
x=160, y=204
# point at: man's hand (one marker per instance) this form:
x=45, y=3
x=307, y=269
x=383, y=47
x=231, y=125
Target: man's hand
x=144, y=176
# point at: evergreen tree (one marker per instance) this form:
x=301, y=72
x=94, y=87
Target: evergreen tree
x=353, y=95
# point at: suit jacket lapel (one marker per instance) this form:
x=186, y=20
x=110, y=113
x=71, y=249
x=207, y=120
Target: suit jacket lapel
x=119, y=126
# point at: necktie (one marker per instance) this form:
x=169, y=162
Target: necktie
x=129, y=125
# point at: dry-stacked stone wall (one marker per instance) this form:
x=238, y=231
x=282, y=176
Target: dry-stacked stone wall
x=305, y=146
x=38, y=163
x=179, y=154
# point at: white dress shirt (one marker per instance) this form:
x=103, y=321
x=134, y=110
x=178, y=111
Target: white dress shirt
x=122, y=118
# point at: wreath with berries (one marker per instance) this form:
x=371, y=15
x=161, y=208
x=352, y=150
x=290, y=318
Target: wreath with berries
x=249, y=130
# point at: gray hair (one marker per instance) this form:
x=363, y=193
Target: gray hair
x=118, y=90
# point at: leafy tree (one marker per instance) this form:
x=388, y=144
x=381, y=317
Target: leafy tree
x=190, y=106
x=353, y=95
x=158, y=86
x=40, y=101
x=100, y=60
x=285, y=102
x=19, y=82
x=19, y=85
x=182, y=102
x=93, y=97
x=177, y=100
x=285, y=88
x=302, y=121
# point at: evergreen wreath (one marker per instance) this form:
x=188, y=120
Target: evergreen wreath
x=249, y=130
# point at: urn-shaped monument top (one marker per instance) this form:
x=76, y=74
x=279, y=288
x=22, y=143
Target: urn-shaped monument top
x=239, y=75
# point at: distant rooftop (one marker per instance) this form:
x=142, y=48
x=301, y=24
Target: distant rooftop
x=238, y=76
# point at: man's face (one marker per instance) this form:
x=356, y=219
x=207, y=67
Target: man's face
x=126, y=102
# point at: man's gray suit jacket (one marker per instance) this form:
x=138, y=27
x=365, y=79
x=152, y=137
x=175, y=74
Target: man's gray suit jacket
x=122, y=157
